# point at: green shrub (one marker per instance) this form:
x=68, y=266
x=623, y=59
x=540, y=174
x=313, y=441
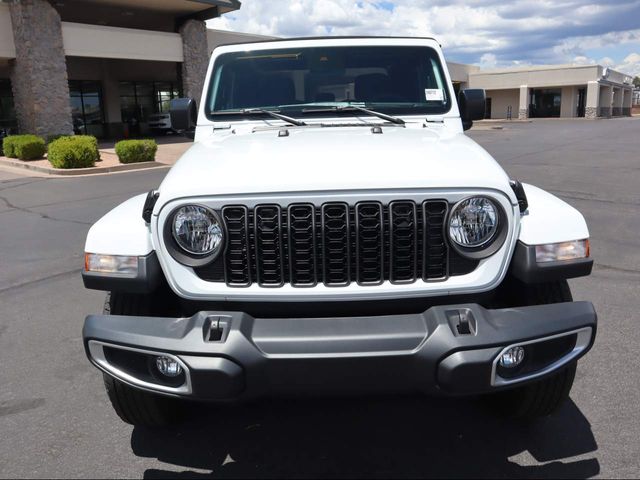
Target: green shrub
x=52, y=138
x=133, y=151
x=8, y=146
x=24, y=147
x=80, y=151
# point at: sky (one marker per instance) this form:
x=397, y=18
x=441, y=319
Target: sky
x=489, y=33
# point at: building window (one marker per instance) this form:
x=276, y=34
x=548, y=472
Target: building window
x=545, y=103
x=139, y=100
x=86, y=107
x=7, y=109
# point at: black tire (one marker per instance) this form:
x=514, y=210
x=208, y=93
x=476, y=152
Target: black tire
x=537, y=399
x=134, y=406
x=139, y=408
x=541, y=398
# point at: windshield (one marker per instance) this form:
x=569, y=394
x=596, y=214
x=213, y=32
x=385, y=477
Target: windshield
x=395, y=80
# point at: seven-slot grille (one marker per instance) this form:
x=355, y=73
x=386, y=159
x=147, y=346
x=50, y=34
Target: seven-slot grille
x=335, y=244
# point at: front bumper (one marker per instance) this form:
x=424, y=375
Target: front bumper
x=450, y=350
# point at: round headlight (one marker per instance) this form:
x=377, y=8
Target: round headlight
x=473, y=222
x=197, y=230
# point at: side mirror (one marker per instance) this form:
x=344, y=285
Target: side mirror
x=472, y=105
x=184, y=115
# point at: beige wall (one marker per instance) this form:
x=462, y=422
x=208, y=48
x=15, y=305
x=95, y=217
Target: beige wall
x=569, y=101
x=535, y=77
x=7, y=48
x=81, y=40
x=222, y=37
x=500, y=101
x=459, y=72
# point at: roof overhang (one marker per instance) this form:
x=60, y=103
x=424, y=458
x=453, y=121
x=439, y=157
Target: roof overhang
x=199, y=9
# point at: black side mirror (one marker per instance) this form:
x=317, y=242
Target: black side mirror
x=472, y=105
x=184, y=115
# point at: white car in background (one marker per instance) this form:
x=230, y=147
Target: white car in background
x=334, y=231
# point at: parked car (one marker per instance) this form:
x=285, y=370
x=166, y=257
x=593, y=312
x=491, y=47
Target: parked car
x=160, y=123
x=334, y=231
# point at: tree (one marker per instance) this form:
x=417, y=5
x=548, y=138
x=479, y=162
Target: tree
x=636, y=82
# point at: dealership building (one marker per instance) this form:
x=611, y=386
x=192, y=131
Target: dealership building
x=104, y=67
x=590, y=91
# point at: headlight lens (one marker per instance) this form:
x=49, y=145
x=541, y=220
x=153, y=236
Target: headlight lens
x=197, y=230
x=473, y=222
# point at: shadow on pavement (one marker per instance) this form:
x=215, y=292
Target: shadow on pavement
x=383, y=437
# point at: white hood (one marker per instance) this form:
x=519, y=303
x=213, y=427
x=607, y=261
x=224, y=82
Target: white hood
x=323, y=159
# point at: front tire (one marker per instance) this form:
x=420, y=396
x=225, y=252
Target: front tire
x=543, y=397
x=137, y=407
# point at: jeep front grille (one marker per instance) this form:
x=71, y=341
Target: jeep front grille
x=335, y=244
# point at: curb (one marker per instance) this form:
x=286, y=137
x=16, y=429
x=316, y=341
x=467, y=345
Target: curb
x=81, y=171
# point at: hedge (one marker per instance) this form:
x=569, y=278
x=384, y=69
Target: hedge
x=52, y=138
x=80, y=151
x=133, y=151
x=24, y=147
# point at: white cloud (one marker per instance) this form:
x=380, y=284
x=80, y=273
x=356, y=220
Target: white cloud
x=630, y=65
x=488, y=60
x=582, y=60
x=488, y=32
x=607, y=62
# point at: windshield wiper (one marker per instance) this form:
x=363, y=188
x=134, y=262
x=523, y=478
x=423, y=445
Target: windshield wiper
x=261, y=111
x=346, y=108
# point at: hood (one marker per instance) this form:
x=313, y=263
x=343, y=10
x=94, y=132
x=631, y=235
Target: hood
x=331, y=159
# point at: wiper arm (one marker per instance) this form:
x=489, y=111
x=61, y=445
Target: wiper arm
x=260, y=111
x=346, y=108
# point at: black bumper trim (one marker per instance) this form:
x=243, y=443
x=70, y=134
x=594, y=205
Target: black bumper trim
x=525, y=268
x=397, y=353
x=148, y=278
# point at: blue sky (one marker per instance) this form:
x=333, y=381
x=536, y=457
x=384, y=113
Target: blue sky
x=489, y=33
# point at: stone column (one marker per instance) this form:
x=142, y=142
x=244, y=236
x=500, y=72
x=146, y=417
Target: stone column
x=39, y=72
x=196, y=58
x=606, y=101
x=617, y=102
x=523, y=108
x=627, y=102
x=593, y=99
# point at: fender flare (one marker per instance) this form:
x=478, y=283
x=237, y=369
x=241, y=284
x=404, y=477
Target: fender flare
x=548, y=220
x=123, y=231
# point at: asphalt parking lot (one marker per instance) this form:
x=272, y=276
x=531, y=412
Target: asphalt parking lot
x=55, y=420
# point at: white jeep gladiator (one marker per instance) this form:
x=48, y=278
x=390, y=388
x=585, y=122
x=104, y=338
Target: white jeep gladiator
x=333, y=231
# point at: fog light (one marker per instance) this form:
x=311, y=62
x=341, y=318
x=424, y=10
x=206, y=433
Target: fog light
x=168, y=366
x=512, y=357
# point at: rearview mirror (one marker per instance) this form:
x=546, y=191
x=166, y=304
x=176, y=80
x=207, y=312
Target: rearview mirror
x=472, y=105
x=184, y=115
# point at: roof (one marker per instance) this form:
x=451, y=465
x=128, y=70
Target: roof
x=329, y=37
x=531, y=68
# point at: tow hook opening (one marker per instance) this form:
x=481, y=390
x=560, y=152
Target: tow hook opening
x=216, y=329
x=462, y=321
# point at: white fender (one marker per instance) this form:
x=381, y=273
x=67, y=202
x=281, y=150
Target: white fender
x=122, y=231
x=550, y=220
